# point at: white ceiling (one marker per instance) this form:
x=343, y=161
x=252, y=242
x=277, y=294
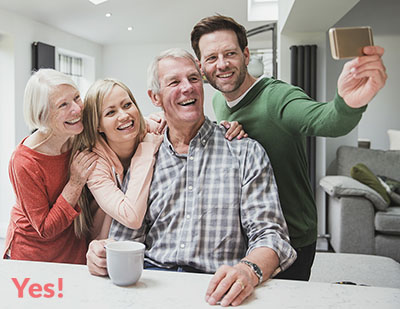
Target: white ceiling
x=161, y=21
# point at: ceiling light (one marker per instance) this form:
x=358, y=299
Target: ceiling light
x=108, y=14
x=130, y=28
x=96, y=2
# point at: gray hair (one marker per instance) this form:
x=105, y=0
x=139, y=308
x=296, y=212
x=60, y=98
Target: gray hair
x=153, y=82
x=38, y=90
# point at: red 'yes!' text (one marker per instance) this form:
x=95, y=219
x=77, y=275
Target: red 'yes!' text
x=36, y=290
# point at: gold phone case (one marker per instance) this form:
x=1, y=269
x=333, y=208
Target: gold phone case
x=348, y=42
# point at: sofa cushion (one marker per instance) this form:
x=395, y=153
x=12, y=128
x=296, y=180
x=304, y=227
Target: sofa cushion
x=364, y=175
x=388, y=222
x=346, y=186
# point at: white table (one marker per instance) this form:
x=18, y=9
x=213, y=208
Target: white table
x=159, y=289
x=372, y=270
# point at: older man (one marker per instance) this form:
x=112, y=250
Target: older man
x=213, y=204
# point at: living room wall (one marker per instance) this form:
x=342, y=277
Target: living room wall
x=384, y=110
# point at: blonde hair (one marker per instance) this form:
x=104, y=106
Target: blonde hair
x=87, y=139
x=38, y=90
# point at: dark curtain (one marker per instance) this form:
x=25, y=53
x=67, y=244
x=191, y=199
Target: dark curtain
x=303, y=74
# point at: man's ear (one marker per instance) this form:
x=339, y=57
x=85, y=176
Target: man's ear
x=198, y=63
x=201, y=69
x=155, y=98
x=246, y=53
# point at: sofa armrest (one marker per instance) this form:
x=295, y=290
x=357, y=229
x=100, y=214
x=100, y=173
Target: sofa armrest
x=351, y=224
x=337, y=186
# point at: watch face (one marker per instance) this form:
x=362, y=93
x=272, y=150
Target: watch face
x=255, y=268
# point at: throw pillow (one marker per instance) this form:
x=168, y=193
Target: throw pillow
x=394, y=197
x=364, y=175
x=393, y=184
x=394, y=139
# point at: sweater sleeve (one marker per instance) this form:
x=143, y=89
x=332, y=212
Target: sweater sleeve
x=48, y=220
x=300, y=114
x=129, y=208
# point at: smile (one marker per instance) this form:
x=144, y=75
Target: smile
x=187, y=102
x=73, y=121
x=126, y=125
x=226, y=75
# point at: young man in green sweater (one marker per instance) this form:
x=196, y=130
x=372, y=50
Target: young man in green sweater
x=281, y=116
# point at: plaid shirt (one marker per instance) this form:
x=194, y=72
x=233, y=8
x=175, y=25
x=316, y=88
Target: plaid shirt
x=211, y=206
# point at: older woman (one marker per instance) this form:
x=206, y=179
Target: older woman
x=46, y=186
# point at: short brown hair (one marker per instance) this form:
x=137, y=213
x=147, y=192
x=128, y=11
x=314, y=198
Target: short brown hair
x=214, y=23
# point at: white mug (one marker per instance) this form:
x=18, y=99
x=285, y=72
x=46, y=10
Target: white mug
x=125, y=261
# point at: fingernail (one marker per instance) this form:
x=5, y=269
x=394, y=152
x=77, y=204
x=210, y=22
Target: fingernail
x=211, y=300
x=207, y=297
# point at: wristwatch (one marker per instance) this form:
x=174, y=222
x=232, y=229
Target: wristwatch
x=255, y=268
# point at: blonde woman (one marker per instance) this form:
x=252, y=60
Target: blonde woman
x=116, y=131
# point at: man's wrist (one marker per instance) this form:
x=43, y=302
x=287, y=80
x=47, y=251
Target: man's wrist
x=255, y=270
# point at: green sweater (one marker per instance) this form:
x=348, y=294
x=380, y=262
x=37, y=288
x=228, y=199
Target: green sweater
x=280, y=116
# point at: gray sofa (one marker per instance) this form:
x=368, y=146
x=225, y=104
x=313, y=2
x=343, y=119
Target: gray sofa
x=359, y=220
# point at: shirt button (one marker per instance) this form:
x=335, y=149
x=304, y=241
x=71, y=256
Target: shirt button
x=190, y=188
x=182, y=246
x=191, y=158
x=188, y=217
x=204, y=141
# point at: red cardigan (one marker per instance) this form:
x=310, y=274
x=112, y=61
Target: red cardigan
x=41, y=225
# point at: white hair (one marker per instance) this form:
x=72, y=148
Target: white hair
x=38, y=90
x=153, y=82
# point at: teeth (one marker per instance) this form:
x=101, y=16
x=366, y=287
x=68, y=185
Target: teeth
x=225, y=75
x=125, y=125
x=73, y=121
x=187, y=102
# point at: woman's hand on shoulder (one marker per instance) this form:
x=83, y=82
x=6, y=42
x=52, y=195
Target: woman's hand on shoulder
x=234, y=129
x=152, y=138
x=82, y=165
x=156, y=123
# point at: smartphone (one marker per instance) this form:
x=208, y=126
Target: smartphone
x=348, y=42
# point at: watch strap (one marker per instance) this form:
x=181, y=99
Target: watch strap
x=254, y=267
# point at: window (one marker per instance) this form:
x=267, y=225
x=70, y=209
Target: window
x=72, y=66
x=80, y=67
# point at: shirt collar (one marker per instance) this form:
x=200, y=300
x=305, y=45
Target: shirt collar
x=204, y=133
x=236, y=101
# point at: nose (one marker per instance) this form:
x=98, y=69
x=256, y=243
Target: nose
x=186, y=85
x=122, y=115
x=222, y=63
x=77, y=107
